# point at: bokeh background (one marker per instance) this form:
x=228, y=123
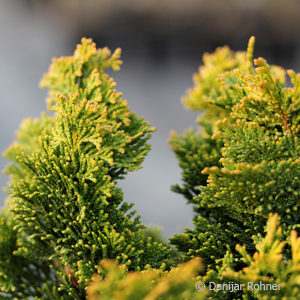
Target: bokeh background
x=163, y=42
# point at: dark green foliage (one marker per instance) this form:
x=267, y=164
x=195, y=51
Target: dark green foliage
x=21, y=277
x=195, y=151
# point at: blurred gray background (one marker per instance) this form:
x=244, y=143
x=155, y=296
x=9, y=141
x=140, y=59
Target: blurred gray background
x=162, y=42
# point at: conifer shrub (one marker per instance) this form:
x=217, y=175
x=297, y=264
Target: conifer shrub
x=65, y=202
x=245, y=165
x=67, y=233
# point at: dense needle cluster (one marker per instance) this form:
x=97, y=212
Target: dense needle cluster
x=248, y=160
x=66, y=167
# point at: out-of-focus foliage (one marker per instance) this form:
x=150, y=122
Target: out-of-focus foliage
x=209, y=92
x=153, y=284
